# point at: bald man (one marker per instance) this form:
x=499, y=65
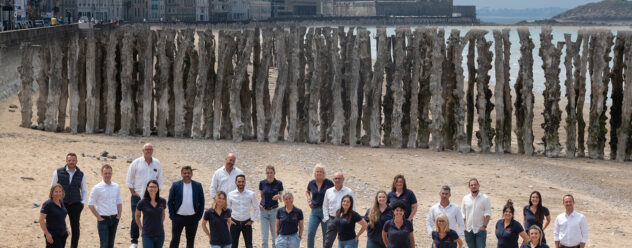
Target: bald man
x=224, y=177
x=140, y=172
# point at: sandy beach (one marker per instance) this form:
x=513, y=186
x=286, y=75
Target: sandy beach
x=29, y=157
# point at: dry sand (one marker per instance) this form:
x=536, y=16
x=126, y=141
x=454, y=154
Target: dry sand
x=601, y=188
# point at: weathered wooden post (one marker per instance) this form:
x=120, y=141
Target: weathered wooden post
x=580, y=88
x=396, y=88
x=598, y=89
x=73, y=83
x=54, y=86
x=243, y=58
x=261, y=85
x=376, y=82
x=127, y=81
x=499, y=91
x=147, y=92
x=471, y=82
x=178, y=83
x=200, y=94
x=552, y=113
x=354, y=85
x=294, y=77
x=281, y=84
x=617, y=91
x=416, y=68
x=42, y=81
x=524, y=94
x=190, y=88
x=365, y=80
x=436, y=101
x=338, y=122
x=460, y=112
x=210, y=86
x=572, y=53
x=63, y=77
x=484, y=106
x=314, y=91
x=623, y=146
x=26, y=86
x=112, y=84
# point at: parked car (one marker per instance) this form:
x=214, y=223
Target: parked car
x=39, y=23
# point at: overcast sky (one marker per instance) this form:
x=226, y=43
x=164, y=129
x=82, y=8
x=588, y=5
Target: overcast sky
x=522, y=4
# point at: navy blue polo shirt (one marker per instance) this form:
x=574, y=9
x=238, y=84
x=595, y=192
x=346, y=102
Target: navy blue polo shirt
x=398, y=237
x=270, y=190
x=508, y=237
x=407, y=197
x=318, y=196
x=527, y=245
x=288, y=222
x=152, y=217
x=446, y=242
x=530, y=216
x=375, y=233
x=218, y=225
x=55, y=217
x=346, y=228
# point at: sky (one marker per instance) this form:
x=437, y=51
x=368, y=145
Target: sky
x=522, y=4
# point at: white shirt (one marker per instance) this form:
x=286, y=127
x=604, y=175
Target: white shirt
x=224, y=181
x=331, y=203
x=105, y=197
x=140, y=173
x=187, y=200
x=241, y=202
x=571, y=230
x=474, y=210
x=454, y=216
x=84, y=187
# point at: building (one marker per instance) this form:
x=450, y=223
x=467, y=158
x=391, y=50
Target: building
x=219, y=10
x=202, y=10
x=395, y=8
x=180, y=10
x=259, y=10
x=100, y=10
x=69, y=11
x=238, y=10
x=156, y=10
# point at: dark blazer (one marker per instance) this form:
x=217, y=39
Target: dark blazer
x=175, y=198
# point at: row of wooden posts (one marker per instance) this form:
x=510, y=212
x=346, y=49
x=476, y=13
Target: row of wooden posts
x=137, y=81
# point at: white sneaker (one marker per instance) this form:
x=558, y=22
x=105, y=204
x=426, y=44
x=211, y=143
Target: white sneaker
x=133, y=246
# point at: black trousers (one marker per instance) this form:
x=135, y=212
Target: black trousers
x=180, y=222
x=59, y=240
x=74, y=214
x=241, y=227
x=331, y=233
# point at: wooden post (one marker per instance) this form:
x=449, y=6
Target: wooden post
x=414, y=88
x=397, y=89
x=294, y=78
x=617, y=92
x=42, y=81
x=572, y=52
x=111, y=82
x=127, y=64
x=499, y=91
x=524, y=103
x=623, y=132
x=552, y=113
x=281, y=84
x=73, y=83
x=243, y=56
x=484, y=106
x=376, y=96
x=91, y=81
x=459, y=92
x=54, y=85
x=338, y=122
x=26, y=86
x=436, y=102
x=261, y=84
x=314, y=91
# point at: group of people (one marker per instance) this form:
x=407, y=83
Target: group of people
x=388, y=222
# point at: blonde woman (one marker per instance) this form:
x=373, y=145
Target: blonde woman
x=315, y=196
x=218, y=219
x=53, y=218
x=376, y=216
x=443, y=236
x=536, y=238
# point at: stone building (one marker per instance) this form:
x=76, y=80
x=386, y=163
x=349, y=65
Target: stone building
x=202, y=10
x=156, y=10
x=100, y=10
x=180, y=10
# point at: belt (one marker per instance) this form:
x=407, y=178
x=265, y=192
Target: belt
x=71, y=203
x=270, y=208
x=332, y=217
x=108, y=216
x=563, y=246
x=240, y=222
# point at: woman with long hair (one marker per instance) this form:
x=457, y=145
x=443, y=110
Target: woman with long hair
x=218, y=219
x=52, y=218
x=443, y=236
x=398, y=232
x=535, y=236
x=376, y=216
x=152, y=208
x=315, y=196
x=401, y=193
x=536, y=214
x=508, y=229
x=345, y=222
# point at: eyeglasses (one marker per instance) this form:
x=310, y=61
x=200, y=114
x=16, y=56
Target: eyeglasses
x=441, y=221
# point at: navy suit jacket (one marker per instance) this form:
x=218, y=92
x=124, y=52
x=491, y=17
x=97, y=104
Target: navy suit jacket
x=175, y=198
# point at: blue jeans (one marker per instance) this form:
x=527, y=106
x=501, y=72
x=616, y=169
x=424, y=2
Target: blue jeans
x=315, y=219
x=268, y=224
x=372, y=244
x=352, y=243
x=288, y=241
x=220, y=246
x=153, y=242
x=475, y=240
x=107, y=231
x=133, y=228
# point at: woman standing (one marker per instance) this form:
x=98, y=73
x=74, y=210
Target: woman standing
x=345, y=222
x=315, y=196
x=218, y=219
x=536, y=214
x=152, y=208
x=401, y=193
x=376, y=216
x=508, y=229
x=535, y=234
x=270, y=190
x=398, y=232
x=52, y=218
x=289, y=224
x=443, y=236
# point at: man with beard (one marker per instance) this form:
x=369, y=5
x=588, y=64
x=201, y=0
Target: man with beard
x=477, y=210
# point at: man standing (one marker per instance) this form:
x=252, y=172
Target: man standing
x=448, y=208
x=140, y=172
x=186, y=206
x=106, y=204
x=331, y=204
x=477, y=210
x=571, y=228
x=74, y=184
x=241, y=201
x=224, y=177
